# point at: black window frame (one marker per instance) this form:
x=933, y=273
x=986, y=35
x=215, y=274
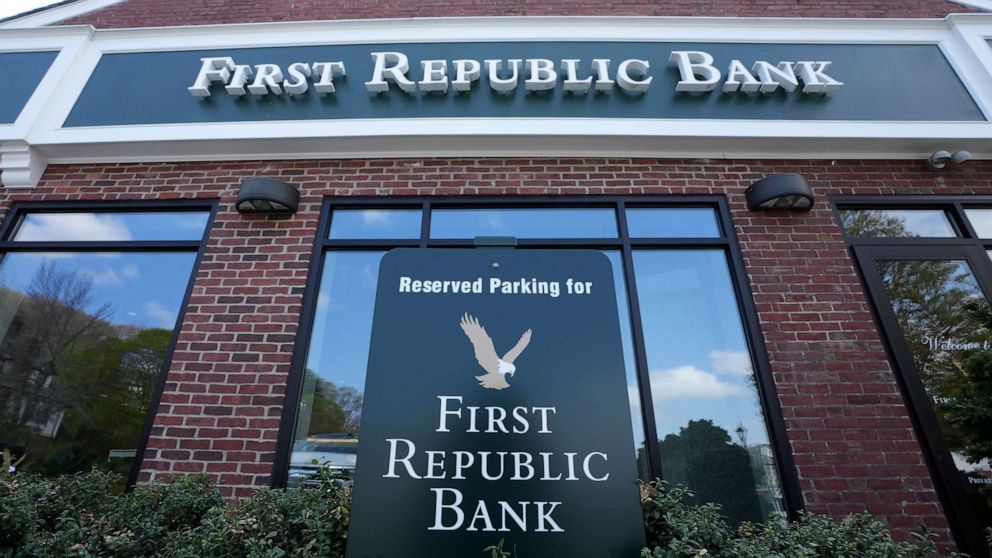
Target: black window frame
x=11, y=221
x=727, y=242
x=863, y=250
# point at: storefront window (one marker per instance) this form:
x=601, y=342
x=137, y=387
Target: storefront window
x=981, y=221
x=895, y=223
x=672, y=222
x=331, y=407
x=711, y=431
x=932, y=300
x=376, y=224
x=84, y=335
x=524, y=223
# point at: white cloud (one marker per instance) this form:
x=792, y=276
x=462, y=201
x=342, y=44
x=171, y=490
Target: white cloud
x=104, y=278
x=160, y=315
x=375, y=216
x=689, y=382
x=730, y=363
x=323, y=302
x=14, y=7
x=130, y=271
x=73, y=226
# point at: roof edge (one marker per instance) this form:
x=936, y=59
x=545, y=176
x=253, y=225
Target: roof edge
x=54, y=13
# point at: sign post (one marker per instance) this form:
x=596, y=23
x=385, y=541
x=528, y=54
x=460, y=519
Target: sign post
x=496, y=408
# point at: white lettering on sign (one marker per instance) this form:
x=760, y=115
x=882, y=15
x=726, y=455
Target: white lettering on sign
x=697, y=73
x=938, y=343
x=405, y=461
x=495, y=285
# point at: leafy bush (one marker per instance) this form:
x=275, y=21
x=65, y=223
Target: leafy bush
x=81, y=516
x=677, y=529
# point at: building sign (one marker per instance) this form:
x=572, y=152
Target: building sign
x=496, y=408
x=696, y=73
x=647, y=80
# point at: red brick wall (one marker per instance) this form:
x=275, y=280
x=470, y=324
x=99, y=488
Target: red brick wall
x=853, y=441
x=150, y=13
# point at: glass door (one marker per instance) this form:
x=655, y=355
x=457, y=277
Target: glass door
x=933, y=302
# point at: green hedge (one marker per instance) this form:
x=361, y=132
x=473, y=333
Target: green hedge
x=79, y=515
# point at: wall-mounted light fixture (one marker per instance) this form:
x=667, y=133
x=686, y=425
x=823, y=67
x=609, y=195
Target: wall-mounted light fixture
x=265, y=195
x=939, y=159
x=786, y=192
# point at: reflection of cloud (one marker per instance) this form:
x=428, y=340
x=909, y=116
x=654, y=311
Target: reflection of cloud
x=72, y=226
x=689, y=382
x=731, y=363
x=375, y=216
x=195, y=221
x=160, y=315
x=105, y=278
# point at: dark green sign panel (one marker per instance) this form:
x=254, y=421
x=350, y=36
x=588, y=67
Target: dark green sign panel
x=495, y=408
x=910, y=83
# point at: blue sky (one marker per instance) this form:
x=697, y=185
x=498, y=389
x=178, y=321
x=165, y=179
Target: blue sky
x=143, y=289
x=14, y=7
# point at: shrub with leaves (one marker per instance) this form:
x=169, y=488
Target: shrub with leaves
x=678, y=529
x=272, y=523
x=79, y=515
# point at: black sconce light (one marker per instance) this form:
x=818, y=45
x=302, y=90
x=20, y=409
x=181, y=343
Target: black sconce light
x=786, y=192
x=265, y=195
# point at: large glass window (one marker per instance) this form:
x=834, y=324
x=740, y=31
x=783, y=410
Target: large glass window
x=685, y=348
x=926, y=265
x=712, y=433
x=85, y=331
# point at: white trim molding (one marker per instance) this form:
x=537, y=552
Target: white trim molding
x=55, y=14
x=21, y=165
x=38, y=136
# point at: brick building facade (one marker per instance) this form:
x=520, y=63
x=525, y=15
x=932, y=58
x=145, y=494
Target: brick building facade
x=847, y=422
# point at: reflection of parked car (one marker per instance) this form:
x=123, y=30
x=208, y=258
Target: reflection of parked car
x=337, y=452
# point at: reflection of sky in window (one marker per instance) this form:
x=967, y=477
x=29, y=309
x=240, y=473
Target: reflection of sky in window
x=637, y=422
x=672, y=222
x=143, y=289
x=524, y=223
x=116, y=226
x=696, y=349
x=375, y=223
x=342, y=328
x=981, y=221
x=927, y=223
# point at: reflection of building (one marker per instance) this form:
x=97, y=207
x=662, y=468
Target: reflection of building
x=29, y=391
x=86, y=133
x=769, y=491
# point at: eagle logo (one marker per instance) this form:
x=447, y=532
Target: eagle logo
x=485, y=352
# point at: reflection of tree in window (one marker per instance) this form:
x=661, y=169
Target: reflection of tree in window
x=945, y=321
x=336, y=409
x=73, y=386
x=872, y=223
x=702, y=457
